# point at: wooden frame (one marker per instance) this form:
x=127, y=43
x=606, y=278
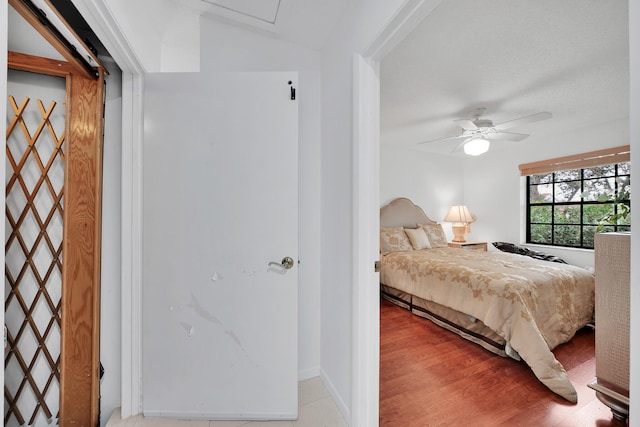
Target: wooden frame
x=80, y=326
x=591, y=159
x=52, y=34
x=80, y=350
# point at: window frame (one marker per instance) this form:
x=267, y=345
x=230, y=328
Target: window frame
x=592, y=159
x=581, y=224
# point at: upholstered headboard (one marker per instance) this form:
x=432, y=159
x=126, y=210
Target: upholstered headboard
x=402, y=212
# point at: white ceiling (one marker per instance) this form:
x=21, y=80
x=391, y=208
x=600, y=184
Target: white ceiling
x=513, y=57
x=262, y=10
x=305, y=22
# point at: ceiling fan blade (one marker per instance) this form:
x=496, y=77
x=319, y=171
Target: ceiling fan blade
x=466, y=124
x=459, y=146
x=523, y=120
x=507, y=136
x=443, y=139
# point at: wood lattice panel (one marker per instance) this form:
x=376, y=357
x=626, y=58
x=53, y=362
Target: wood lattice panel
x=33, y=262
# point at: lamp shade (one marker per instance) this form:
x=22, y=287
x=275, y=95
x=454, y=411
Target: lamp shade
x=476, y=146
x=459, y=213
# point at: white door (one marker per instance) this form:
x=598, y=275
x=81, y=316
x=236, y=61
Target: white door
x=220, y=199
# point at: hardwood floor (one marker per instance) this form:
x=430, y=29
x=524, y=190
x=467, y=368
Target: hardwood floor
x=432, y=377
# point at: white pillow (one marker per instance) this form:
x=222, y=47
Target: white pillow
x=418, y=238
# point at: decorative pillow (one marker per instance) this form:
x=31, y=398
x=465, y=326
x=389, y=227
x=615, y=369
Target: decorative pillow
x=436, y=235
x=394, y=239
x=418, y=238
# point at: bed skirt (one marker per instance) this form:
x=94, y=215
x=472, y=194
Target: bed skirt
x=462, y=324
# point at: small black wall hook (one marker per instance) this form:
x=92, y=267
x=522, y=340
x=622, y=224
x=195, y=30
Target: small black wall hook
x=293, y=91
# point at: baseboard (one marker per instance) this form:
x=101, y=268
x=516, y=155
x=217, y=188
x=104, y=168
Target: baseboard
x=337, y=398
x=114, y=419
x=305, y=374
x=198, y=416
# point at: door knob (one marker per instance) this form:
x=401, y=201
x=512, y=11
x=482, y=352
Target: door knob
x=286, y=263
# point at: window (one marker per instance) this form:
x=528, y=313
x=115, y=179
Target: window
x=565, y=206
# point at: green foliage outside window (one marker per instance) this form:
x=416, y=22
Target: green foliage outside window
x=567, y=208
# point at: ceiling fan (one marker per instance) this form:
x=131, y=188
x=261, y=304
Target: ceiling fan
x=477, y=133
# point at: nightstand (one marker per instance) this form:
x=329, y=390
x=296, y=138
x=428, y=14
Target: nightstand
x=477, y=246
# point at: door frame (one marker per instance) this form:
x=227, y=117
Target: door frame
x=366, y=205
x=103, y=24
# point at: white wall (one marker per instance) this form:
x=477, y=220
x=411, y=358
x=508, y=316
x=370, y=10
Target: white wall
x=361, y=23
x=432, y=181
x=169, y=42
x=244, y=50
x=111, y=231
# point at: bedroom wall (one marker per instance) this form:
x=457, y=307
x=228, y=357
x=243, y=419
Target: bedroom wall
x=250, y=51
x=432, y=181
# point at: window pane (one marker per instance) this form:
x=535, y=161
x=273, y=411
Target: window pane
x=600, y=171
x=623, y=221
x=541, y=234
x=541, y=214
x=566, y=235
x=541, y=179
x=567, y=192
x=566, y=214
x=587, y=235
x=541, y=193
x=593, y=213
x=570, y=175
x=624, y=187
x=599, y=189
x=624, y=168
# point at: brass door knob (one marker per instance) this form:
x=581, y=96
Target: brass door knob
x=287, y=262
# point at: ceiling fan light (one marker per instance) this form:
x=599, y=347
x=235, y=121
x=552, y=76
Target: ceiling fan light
x=476, y=146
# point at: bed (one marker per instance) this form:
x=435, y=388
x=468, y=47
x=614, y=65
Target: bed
x=510, y=304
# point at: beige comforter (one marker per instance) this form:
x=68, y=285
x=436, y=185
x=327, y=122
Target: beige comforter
x=534, y=305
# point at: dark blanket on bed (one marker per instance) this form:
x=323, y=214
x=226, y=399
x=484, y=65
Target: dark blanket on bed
x=515, y=249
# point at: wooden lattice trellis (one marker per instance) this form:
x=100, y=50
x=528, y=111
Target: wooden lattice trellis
x=33, y=267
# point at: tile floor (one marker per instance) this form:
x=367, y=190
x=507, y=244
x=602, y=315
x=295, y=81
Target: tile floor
x=316, y=409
